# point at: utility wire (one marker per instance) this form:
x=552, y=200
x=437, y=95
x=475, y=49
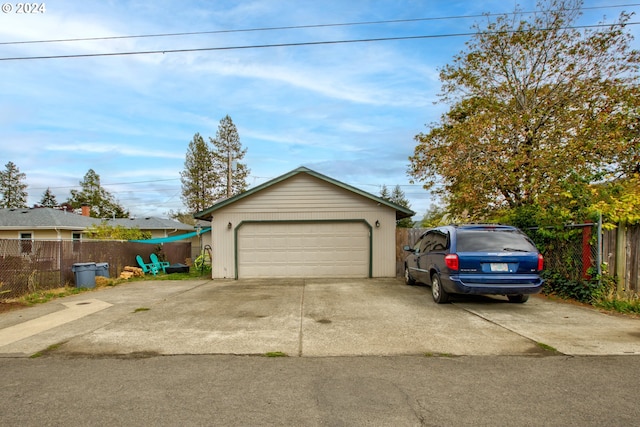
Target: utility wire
x=296, y=27
x=102, y=185
x=316, y=43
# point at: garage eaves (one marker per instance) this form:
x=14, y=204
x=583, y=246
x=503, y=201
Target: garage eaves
x=401, y=211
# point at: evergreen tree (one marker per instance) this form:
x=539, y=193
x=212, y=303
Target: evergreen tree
x=397, y=197
x=384, y=193
x=48, y=199
x=227, y=154
x=102, y=203
x=198, y=177
x=12, y=187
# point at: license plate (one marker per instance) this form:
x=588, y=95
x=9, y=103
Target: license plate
x=499, y=266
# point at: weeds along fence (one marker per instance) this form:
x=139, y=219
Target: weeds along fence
x=30, y=265
x=575, y=255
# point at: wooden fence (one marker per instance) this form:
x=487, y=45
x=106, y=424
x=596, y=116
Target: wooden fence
x=30, y=265
x=620, y=252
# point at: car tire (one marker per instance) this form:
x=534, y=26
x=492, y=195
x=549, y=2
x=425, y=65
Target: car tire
x=408, y=280
x=518, y=299
x=440, y=296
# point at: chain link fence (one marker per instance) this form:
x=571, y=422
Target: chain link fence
x=573, y=256
x=27, y=266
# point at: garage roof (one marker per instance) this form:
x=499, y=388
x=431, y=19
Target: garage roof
x=401, y=211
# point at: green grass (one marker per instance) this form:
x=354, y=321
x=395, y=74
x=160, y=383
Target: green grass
x=621, y=305
x=546, y=347
x=47, y=350
x=173, y=276
x=275, y=354
x=41, y=297
x=429, y=354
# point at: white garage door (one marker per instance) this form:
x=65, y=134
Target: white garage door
x=289, y=249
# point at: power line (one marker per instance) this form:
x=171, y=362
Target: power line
x=316, y=43
x=296, y=27
x=104, y=185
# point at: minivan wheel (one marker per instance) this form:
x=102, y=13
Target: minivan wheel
x=408, y=280
x=407, y=277
x=440, y=296
x=518, y=298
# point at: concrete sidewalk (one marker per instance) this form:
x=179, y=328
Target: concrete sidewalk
x=309, y=317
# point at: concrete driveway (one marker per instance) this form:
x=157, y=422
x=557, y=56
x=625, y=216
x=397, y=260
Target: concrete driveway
x=306, y=317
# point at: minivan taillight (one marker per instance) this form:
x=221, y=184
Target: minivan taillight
x=540, y=262
x=452, y=262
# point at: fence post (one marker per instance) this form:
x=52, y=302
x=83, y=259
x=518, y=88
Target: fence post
x=621, y=257
x=599, y=251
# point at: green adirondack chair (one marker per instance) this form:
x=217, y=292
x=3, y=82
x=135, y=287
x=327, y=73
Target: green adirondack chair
x=146, y=268
x=160, y=265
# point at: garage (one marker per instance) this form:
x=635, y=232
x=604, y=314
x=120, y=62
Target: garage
x=303, y=224
x=303, y=249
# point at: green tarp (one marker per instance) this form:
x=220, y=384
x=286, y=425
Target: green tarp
x=173, y=238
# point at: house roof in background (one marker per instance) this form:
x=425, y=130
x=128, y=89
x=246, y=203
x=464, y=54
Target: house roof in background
x=43, y=218
x=49, y=218
x=151, y=223
x=401, y=211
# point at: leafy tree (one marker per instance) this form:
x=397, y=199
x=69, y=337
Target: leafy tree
x=539, y=111
x=102, y=203
x=12, y=187
x=227, y=154
x=183, y=217
x=398, y=197
x=104, y=231
x=48, y=199
x=199, y=176
x=619, y=202
x=435, y=216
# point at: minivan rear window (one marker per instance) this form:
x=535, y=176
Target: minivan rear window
x=493, y=241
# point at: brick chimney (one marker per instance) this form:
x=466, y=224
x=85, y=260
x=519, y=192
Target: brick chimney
x=86, y=210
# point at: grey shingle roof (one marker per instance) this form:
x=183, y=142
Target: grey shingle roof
x=151, y=223
x=49, y=218
x=43, y=218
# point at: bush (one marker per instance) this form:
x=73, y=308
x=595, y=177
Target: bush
x=588, y=291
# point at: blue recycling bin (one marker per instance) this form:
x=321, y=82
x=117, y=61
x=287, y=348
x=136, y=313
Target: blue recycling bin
x=85, y=274
x=102, y=269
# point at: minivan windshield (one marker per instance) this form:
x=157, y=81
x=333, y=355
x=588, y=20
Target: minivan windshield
x=493, y=241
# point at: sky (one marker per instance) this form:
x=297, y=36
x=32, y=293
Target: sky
x=347, y=110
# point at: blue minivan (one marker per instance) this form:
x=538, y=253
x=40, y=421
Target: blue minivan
x=475, y=259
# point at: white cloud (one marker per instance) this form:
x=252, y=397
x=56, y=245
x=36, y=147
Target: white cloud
x=111, y=149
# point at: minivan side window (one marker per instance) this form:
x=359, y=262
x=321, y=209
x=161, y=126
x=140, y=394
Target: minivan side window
x=440, y=241
x=427, y=242
x=416, y=247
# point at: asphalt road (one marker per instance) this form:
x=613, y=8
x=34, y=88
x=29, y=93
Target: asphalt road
x=327, y=391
